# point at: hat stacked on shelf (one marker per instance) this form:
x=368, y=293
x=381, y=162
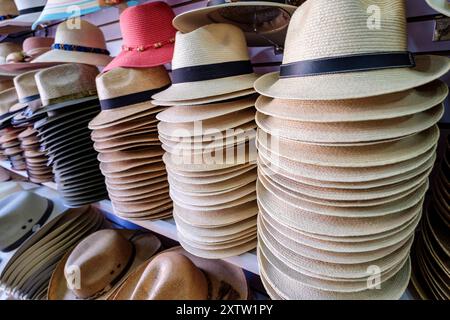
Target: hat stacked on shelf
x=126, y=137
x=431, y=252
x=346, y=141
x=9, y=135
x=208, y=135
x=27, y=273
x=24, y=13
x=36, y=160
x=68, y=96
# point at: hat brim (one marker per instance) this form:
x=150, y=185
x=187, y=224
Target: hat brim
x=63, y=56
x=355, y=84
x=207, y=88
x=24, y=20
x=82, y=102
x=20, y=67
x=194, y=19
x=438, y=6
x=143, y=59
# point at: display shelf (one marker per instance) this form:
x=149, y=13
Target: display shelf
x=166, y=228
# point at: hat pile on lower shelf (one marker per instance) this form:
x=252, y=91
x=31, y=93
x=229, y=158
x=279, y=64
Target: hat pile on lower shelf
x=208, y=135
x=126, y=137
x=68, y=95
x=431, y=251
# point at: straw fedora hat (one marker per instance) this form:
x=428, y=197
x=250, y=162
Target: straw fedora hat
x=119, y=252
x=125, y=92
x=264, y=22
x=8, y=11
x=195, y=278
x=7, y=48
x=28, y=12
x=6, y=84
x=209, y=61
x=344, y=66
x=21, y=214
x=85, y=44
x=441, y=6
x=148, y=36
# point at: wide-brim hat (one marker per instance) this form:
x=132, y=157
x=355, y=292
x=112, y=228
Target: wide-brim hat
x=242, y=14
x=343, y=66
x=29, y=11
x=145, y=244
x=441, y=6
x=222, y=276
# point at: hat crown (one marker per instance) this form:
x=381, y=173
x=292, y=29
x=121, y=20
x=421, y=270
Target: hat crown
x=33, y=43
x=147, y=24
x=8, y=7
x=322, y=28
x=124, y=81
x=86, y=34
x=170, y=276
x=211, y=44
x=65, y=81
x=19, y=212
x=8, y=98
x=6, y=48
x=26, y=85
x=107, y=248
x=26, y=4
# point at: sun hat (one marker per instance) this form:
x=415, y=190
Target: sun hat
x=6, y=84
x=28, y=12
x=119, y=251
x=148, y=36
x=209, y=61
x=264, y=22
x=7, y=48
x=85, y=44
x=350, y=60
x=442, y=6
x=195, y=278
x=125, y=92
x=8, y=11
x=64, y=9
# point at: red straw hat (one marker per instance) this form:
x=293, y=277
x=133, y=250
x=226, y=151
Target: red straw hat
x=148, y=36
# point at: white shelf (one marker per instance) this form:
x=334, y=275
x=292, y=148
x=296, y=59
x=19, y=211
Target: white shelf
x=166, y=228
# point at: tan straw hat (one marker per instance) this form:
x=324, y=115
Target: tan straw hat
x=334, y=51
x=209, y=61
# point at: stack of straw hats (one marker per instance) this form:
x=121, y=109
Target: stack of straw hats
x=28, y=272
x=68, y=95
x=29, y=100
x=126, y=137
x=346, y=141
x=9, y=136
x=208, y=135
x=431, y=254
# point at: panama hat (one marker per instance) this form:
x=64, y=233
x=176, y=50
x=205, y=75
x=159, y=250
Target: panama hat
x=84, y=44
x=196, y=278
x=212, y=60
x=8, y=98
x=264, y=22
x=119, y=251
x=8, y=11
x=148, y=36
x=7, y=48
x=125, y=92
x=353, y=66
x=6, y=84
x=28, y=12
x=441, y=6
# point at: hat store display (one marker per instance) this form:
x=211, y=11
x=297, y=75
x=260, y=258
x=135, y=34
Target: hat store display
x=431, y=252
x=343, y=154
x=69, y=98
x=208, y=135
x=38, y=169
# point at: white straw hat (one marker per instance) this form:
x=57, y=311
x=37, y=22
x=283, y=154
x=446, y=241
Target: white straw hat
x=442, y=6
x=333, y=52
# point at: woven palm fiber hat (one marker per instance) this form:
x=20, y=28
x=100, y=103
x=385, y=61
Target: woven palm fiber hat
x=264, y=22
x=210, y=61
x=6, y=84
x=349, y=60
x=28, y=12
x=125, y=92
x=176, y=274
x=7, y=48
x=119, y=252
x=82, y=44
x=30, y=269
x=442, y=6
x=148, y=36
x=8, y=98
x=8, y=10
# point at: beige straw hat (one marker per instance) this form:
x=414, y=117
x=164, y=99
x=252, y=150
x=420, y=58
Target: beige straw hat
x=209, y=61
x=441, y=6
x=351, y=58
x=77, y=41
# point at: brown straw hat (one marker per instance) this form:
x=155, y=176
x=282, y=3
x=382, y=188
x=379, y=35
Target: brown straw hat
x=349, y=59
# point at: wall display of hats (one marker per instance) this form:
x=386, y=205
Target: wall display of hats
x=431, y=251
x=209, y=138
x=344, y=153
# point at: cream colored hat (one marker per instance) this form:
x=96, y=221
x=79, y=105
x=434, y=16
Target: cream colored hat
x=442, y=6
x=83, y=43
x=6, y=48
x=209, y=61
x=332, y=53
x=6, y=84
x=8, y=188
x=8, y=98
